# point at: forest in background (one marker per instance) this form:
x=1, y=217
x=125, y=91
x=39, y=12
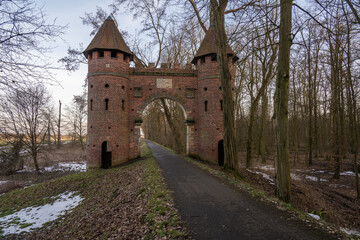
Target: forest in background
x=324, y=72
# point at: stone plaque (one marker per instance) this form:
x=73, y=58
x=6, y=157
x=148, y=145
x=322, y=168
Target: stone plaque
x=137, y=92
x=163, y=83
x=190, y=93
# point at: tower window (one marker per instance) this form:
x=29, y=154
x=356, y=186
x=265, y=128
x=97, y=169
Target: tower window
x=206, y=106
x=221, y=105
x=91, y=104
x=101, y=54
x=202, y=60
x=106, y=104
x=113, y=54
x=123, y=105
x=106, y=85
x=213, y=58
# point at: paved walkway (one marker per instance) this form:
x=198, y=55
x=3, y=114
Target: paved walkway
x=214, y=210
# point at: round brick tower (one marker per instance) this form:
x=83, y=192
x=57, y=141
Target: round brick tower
x=108, y=98
x=209, y=125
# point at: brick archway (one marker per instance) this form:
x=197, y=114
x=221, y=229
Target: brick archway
x=168, y=95
x=118, y=95
x=185, y=108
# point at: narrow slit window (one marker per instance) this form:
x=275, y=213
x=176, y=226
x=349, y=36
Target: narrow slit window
x=221, y=105
x=91, y=104
x=106, y=104
x=206, y=106
x=123, y=105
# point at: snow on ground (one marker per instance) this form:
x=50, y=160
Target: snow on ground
x=347, y=173
x=338, y=186
x=315, y=179
x=317, y=217
x=307, y=177
x=35, y=217
x=350, y=231
x=295, y=177
x=2, y=182
x=267, y=167
x=264, y=175
x=79, y=167
x=60, y=167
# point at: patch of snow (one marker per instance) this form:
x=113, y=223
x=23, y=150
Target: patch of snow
x=350, y=231
x=307, y=177
x=347, y=173
x=295, y=177
x=25, y=169
x=29, y=218
x=267, y=167
x=264, y=175
x=338, y=186
x=78, y=167
x=2, y=182
x=314, y=216
x=315, y=179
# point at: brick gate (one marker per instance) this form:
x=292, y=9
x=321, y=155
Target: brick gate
x=118, y=95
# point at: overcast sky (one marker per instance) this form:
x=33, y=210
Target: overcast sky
x=68, y=12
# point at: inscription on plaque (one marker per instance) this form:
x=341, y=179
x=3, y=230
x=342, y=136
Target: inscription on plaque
x=163, y=83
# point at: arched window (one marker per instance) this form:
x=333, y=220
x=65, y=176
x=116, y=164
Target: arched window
x=206, y=106
x=106, y=104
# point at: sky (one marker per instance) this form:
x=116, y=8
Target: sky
x=68, y=12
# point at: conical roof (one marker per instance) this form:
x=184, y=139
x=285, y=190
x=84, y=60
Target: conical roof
x=108, y=38
x=208, y=47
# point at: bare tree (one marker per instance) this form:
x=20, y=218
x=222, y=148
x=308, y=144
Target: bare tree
x=75, y=116
x=230, y=147
x=282, y=168
x=23, y=32
x=23, y=115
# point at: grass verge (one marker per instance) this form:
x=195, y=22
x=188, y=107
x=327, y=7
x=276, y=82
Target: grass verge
x=238, y=182
x=128, y=202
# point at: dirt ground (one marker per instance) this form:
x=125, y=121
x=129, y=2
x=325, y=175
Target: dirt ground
x=314, y=189
x=26, y=176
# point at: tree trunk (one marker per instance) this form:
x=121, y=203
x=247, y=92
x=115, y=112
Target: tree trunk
x=174, y=129
x=295, y=126
x=282, y=168
x=230, y=148
x=264, y=105
x=59, y=126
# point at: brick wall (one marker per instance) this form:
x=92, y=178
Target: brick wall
x=130, y=90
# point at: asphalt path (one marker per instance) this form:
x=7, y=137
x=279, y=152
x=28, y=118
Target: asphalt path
x=215, y=210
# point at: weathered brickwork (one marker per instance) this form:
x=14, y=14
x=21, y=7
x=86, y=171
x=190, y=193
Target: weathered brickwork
x=118, y=95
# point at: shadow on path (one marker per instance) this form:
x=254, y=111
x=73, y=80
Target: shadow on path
x=213, y=210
